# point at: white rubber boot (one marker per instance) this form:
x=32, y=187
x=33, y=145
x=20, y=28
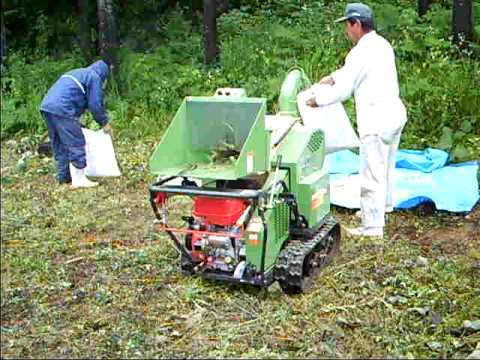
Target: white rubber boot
x=366, y=231
x=79, y=180
x=388, y=210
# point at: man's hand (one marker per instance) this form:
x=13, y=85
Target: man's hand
x=108, y=129
x=311, y=102
x=327, y=80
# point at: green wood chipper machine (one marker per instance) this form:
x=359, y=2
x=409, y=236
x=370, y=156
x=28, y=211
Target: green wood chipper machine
x=260, y=208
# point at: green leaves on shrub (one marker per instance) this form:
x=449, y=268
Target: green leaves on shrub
x=455, y=142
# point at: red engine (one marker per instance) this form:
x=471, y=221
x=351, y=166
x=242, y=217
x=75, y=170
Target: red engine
x=216, y=240
x=218, y=211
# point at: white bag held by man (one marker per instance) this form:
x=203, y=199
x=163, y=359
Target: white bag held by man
x=332, y=120
x=101, y=160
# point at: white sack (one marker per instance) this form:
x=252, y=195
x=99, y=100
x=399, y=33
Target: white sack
x=101, y=160
x=332, y=119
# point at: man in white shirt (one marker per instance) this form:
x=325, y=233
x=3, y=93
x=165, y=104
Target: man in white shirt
x=370, y=75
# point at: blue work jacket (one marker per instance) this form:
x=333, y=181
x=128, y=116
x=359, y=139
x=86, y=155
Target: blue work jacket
x=78, y=90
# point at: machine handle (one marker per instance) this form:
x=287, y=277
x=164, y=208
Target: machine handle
x=275, y=180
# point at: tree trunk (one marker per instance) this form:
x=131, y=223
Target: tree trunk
x=3, y=41
x=54, y=38
x=210, y=31
x=84, y=29
x=222, y=6
x=423, y=6
x=108, y=34
x=462, y=21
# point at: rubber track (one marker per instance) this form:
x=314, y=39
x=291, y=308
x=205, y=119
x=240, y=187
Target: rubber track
x=289, y=267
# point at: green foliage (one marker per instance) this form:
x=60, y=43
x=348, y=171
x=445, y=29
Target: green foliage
x=23, y=86
x=259, y=42
x=440, y=85
x=459, y=143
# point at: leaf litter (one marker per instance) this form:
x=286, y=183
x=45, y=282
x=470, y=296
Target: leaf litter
x=82, y=276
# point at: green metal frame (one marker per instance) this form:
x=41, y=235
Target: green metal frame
x=200, y=125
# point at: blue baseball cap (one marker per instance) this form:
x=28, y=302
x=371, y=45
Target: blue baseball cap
x=356, y=11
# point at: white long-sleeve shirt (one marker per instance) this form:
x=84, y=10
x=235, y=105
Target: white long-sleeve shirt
x=371, y=75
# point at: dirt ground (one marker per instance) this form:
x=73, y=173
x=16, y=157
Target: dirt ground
x=84, y=275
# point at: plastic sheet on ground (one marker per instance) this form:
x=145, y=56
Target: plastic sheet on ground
x=419, y=177
x=423, y=160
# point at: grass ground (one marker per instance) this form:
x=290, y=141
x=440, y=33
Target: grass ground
x=84, y=275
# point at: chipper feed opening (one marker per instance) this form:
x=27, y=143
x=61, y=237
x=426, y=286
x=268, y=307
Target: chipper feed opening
x=214, y=138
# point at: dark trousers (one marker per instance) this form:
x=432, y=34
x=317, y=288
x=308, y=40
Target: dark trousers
x=68, y=144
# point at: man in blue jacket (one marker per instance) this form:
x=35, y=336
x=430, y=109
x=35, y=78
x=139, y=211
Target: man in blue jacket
x=68, y=98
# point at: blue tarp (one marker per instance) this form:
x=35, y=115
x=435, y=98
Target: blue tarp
x=420, y=176
x=426, y=160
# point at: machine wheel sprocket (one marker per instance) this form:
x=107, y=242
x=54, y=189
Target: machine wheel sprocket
x=301, y=260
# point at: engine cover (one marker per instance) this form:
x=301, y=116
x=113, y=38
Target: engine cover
x=218, y=211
